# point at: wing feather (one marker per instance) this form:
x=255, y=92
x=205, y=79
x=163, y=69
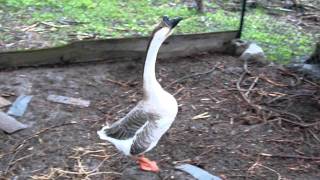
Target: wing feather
x=143, y=139
x=130, y=124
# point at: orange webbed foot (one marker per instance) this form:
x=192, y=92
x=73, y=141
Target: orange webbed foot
x=148, y=165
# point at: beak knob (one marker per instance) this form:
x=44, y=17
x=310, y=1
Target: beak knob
x=171, y=23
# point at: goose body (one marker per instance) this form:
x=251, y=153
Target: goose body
x=141, y=129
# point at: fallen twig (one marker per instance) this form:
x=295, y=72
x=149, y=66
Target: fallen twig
x=252, y=86
x=266, y=167
x=299, y=124
x=286, y=71
x=40, y=132
x=22, y=158
x=272, y=82
x=289, y=156
x=310, y=82
x=30, y=27
x=314, y=135
x=178, y=91
x=19, y=146
x=88, y=173
x=262, y=109
x=103, y=172
x=211, y=148
x=258, y=108
x=191, y=75
x=53, y=25
x=117, y=82
x=201, y=116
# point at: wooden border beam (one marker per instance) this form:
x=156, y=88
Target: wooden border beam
x=114, y=49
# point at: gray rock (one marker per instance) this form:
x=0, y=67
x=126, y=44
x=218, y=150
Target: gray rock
x=254, y=53
x=134, y=173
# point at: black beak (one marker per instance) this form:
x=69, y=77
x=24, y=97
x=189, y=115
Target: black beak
x=171, y=23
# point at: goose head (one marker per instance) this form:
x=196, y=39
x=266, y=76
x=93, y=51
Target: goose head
x=165, y=28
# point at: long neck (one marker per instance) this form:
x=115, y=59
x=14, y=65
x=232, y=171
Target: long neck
x=150, y=83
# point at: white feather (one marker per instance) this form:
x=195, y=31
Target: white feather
x=156, y=100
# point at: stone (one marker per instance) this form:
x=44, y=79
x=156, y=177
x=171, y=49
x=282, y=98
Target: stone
x=254, y=53
x=134, y=173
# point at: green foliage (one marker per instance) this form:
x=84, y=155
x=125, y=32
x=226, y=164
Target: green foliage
x=280, y=40
x=119, y=18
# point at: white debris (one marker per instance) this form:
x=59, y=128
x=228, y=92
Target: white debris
x=254, y=53
x=68, y=100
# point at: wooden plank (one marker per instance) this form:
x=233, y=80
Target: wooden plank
x=10, y=124
x=112, y=49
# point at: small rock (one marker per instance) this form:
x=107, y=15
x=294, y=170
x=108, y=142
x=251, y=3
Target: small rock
x=133, y=173
x=254, y=53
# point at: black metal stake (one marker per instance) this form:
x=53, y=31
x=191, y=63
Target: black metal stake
x=243, y=11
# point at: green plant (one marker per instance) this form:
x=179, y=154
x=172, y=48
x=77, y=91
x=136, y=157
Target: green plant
x=119, y=18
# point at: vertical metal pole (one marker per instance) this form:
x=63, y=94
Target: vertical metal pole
x=243, y=11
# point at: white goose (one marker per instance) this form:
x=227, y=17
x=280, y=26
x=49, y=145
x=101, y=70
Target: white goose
x=141, y=129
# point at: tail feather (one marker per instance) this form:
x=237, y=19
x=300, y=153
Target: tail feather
x=102, y=133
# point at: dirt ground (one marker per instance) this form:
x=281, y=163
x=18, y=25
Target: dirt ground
x=216, y=129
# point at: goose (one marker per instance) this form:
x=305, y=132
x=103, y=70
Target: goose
x=140, y=130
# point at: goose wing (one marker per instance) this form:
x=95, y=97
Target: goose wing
x=137, y=121
x=143, y=139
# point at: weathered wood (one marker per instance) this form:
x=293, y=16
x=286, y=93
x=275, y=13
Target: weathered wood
x=10, y=124
x=113, y=49
x=200, y=6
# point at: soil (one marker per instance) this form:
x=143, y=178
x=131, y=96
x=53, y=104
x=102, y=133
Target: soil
x=231, y=139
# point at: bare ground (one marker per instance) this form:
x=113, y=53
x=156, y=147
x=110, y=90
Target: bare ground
x=231, y=138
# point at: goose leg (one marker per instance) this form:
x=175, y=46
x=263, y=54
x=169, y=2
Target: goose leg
x=147, y=165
